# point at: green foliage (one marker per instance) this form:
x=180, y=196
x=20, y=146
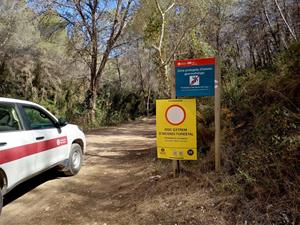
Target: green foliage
x=152, y=29
x=115, y=104
x=261, y=140
x=196, y=46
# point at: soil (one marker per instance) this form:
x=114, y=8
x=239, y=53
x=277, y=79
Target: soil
x=121, y=182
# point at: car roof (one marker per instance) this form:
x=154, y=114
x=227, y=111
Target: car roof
x=12, y=100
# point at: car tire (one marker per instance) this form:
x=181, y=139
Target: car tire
x=74, y=161
x=1, y=201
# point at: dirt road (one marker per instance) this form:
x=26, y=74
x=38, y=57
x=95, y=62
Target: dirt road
x=118, y=184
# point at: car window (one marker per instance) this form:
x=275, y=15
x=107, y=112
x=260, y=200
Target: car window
x=9, y=120
x=37, y=119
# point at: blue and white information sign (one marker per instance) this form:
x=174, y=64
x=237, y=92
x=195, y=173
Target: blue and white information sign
x=195, y=77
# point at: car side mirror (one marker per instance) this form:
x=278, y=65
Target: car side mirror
x=62, y=122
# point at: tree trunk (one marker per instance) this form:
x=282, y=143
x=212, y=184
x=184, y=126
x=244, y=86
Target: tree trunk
x=92, y=102
x=93, y=67
x=251, y=51
x=148, y=102
x=164, y=79
x=140, y=70
x=285, y=21
x=119, y=72
x=272, y=32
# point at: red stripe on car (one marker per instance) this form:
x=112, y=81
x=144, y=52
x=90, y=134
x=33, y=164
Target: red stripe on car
x=19, y=152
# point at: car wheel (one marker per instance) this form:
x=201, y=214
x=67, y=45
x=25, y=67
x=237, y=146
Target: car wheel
x=74, y=161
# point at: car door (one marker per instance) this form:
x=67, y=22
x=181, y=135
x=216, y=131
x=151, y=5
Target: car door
x=17, y=145
x=50, y=139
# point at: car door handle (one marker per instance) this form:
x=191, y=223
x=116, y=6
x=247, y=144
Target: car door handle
x=2, y=144
x=40, y=138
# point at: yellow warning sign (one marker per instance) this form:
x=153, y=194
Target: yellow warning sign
x=176, y=129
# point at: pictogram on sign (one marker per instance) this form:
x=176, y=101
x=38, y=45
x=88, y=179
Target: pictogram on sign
x=194, y=80
x=175, y=115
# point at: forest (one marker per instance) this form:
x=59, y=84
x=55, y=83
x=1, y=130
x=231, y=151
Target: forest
x=104, y=62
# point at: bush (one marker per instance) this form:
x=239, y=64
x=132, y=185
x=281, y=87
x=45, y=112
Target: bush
x=261, y=143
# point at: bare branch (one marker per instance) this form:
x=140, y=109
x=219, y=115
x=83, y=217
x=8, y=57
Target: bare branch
x=114, y=35
x=162, y=30
x=79, y=10
x=285, y=21
x=155, y=47
x=170, y=7
x=158, y=6
x=123, y=20
x=176, y=47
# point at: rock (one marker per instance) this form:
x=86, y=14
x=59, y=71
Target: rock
x=154, y=178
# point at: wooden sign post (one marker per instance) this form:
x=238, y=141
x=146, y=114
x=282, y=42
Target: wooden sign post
x=175, y=163
x=217, y=116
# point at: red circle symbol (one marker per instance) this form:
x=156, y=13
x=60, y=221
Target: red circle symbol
x=175, y=115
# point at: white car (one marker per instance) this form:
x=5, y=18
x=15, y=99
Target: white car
x=33, y=140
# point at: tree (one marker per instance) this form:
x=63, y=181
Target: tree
x=95, y=27
x=165, y=27
x=285, y=21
